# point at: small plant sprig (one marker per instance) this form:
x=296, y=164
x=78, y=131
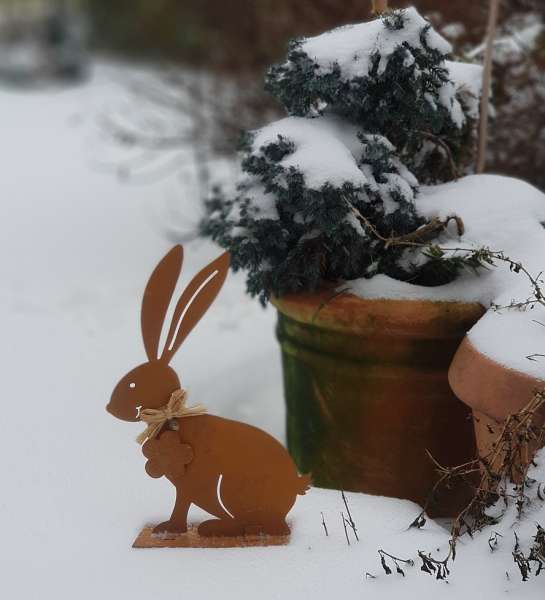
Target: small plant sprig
x=537, y=282
x=432, y=566
x=458, y=257
x=493, y=541
x=385, y=557
x=484, y=257
x=536, y=556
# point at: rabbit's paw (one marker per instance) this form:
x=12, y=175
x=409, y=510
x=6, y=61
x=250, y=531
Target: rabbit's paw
x=276, y=528
x=221, y=528
x=279, y=527
x=169, y=527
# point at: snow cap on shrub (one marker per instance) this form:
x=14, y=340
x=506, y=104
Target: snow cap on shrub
x=389, y=76
x=296, y=217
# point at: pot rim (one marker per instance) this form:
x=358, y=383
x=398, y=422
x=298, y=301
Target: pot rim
x=488, y=386
x=346, y=312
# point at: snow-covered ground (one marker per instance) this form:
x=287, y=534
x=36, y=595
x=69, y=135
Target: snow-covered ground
x=77, y=246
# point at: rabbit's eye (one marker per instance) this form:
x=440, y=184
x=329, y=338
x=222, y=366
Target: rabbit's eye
x=132, y=385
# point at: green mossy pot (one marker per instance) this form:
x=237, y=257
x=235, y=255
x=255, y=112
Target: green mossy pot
x=367, y=393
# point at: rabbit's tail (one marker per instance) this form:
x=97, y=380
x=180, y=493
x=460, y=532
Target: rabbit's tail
x=303, y=484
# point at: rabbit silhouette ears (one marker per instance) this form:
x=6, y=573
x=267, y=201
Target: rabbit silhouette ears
x=193, y=303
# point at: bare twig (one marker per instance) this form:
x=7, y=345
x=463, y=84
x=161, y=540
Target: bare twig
x=508, y=461
x=442, y=144
x=345, y=530
x=396, y=560
x=538, y=293
x=420, y=237
x=350, y=519
x=493, y=540
x=324, y=525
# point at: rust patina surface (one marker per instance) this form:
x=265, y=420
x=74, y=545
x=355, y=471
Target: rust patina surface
x=367, y=392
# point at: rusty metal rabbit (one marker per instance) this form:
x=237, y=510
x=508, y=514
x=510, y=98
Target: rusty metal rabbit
x=237, y=473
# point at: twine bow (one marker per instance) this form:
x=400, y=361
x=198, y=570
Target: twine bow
x=155, y=418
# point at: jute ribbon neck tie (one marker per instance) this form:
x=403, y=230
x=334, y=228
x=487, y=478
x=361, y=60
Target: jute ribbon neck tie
x=176, y=408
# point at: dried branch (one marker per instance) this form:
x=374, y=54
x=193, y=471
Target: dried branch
x=345, y=530
x=324, y=525
x=387, y=569
x=536, y=555
x=350, y=519
x=448, y=152
x=538, y=293
x=420, y=237
x=432, y=566
x=534, y=357
x=508, y=461
x=493, y=540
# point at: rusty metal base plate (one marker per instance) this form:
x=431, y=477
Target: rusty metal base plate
x=191, y=539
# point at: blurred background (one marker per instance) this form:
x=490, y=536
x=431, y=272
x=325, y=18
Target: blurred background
x=208, y=58
x=115, y=119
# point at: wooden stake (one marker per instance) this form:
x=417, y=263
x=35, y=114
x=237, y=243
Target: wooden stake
x=379, y=6
x=487, y=78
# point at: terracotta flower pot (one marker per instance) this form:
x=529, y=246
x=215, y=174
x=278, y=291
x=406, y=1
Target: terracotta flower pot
x=493, y=392
x=367, y=392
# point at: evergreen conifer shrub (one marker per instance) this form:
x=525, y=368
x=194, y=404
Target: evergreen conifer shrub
x=373, y=110
x=390, y=77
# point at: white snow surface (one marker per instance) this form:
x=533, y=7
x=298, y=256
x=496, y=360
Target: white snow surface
x=353, y=46
x=330, y=139
x=468, y=79
x=502, y=214
x=77, y=246
x=327, y=150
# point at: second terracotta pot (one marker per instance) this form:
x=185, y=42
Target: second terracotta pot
x=494, y=392
x=367, y=392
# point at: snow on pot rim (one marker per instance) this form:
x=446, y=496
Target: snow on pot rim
x=489, y=387
x=499, y=213
x=494, y=392
x=504, y=215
